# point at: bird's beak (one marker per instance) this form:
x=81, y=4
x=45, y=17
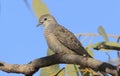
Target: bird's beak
x=39, y=24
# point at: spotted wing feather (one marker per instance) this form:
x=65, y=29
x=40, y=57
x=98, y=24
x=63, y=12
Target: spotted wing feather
x=69, y=40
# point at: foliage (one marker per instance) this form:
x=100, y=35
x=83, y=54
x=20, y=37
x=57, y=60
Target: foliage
x=102, y=32
x=39, y=8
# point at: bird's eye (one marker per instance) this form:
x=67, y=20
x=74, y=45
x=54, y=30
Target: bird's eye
x=45, y=19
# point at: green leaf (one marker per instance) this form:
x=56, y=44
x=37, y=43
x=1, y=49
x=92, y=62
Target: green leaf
x=72, y=70
x=61, y=72
x=39, y=8
x=49, y=52
x=88, y=48
x=51, y=70
x=105, y=46
x=113, y=44
x=99, y=46
x=46, y=72
x=102, y=32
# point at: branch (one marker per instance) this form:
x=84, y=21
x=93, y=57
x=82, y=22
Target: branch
x=107, y=46
x=92, y=34
x=30, y=68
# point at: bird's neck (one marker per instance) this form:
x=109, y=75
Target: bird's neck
x=50, y=28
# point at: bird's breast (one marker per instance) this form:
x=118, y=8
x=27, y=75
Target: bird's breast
x=55, y=45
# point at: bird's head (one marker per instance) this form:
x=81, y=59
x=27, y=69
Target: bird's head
x=46, y=20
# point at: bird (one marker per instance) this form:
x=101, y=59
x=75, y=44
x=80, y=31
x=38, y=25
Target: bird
x=59, y=38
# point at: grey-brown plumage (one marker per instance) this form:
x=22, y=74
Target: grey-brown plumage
x=60, y=39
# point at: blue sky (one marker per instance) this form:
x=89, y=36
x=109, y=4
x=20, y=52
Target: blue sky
x=22, y=42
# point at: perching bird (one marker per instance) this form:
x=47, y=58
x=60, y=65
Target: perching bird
x=60, y=39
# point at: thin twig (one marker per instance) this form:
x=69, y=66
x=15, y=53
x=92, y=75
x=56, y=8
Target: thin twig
x=109, y=58
x=59, y=71
x=91, y=40
x=84, y=39
x=96, y=34
x=27, y=5
x=118, y=53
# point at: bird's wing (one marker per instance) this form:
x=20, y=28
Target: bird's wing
x=69, y=40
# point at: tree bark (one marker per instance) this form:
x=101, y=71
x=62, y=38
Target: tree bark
x=32, y=67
